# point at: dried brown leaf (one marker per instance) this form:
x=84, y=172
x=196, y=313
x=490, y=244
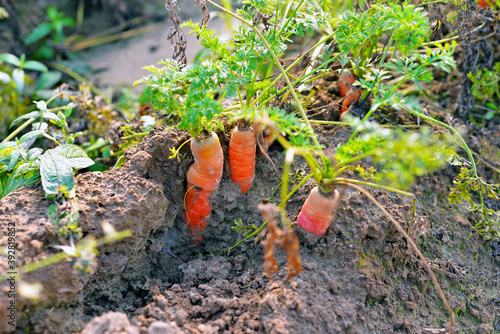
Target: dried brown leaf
x=291, y=247
x=175, y=35
x=275, y=236
x=205, y=14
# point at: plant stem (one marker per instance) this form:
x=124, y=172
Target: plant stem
x=462, y=141
x=141, y=134
x=354, y=159
x=19, y=129
x=277, y=63
x=286, y=198
x=369, y=184
x=299, y=80
x=313, y=121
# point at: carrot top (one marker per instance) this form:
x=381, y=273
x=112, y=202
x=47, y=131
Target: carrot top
x=185, y=93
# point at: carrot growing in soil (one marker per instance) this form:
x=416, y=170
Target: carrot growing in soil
x=189, y=96
x=346, y=80
x=350, y=93
x=241, y=156
x=319, y=210
x=203, y=178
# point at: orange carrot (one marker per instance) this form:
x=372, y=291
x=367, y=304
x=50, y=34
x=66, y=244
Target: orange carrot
x=206, y=171
x=241, y=156
x=352, y=96
x=318, y=211
x=198, y=209
x=346, y=80
x=484, y=3
x=203, y=178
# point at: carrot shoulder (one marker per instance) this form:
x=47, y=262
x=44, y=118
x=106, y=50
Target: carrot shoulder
x=318, y=211
x=206, y=171
x=241, y=156
x=346, y=80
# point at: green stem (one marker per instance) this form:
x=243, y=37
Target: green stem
x=289, y=19
x=284, y=200
x=141, y=134
x=354, y=159
x=446, y=126
x=369, y=184
x=19, y=129
x=299, y=80
x=277, y=63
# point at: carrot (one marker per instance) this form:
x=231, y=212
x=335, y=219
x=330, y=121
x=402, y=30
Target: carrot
x=198, y=209
x=484, y=3
x=241, y=156
x=203, y=178
x=206, y=171
x=346, y=80
x=352, y=96
x=318, y=211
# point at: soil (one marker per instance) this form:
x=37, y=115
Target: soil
x=361, y=277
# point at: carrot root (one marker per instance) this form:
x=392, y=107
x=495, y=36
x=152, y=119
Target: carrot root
x=241, y=156
x=317, y=211
x=346, y=80
x=203, y=179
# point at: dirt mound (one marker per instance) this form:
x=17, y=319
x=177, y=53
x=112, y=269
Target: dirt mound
x=119, y=197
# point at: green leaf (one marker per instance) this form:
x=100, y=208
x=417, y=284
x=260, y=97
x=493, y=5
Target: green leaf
x=18, y=77
x=68, y=22
x=492, y=105
x=7, y=144
x=41, y=105
x=47, y=80
x=35, y=66
x=38, y=33
x=76, y=156
x=14, y=158
x=5, y=156
x=28, y=139
x=34, y=153
x=100, y=142
x=32, y=114
x=50, y=115
x=10, y=59
x=107, y=152
x=52, y=212
x=4, y=78
x=68, y=110
x=45, y=52
x=24, y=175
x=56, y=172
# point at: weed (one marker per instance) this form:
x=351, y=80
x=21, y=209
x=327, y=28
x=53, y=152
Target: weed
x=21, y=165
x=51, y=34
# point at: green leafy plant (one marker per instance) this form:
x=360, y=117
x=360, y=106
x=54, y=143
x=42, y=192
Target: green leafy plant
x=50, y=33
x=19, y=88
x=21, y=165
x=486, y=88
